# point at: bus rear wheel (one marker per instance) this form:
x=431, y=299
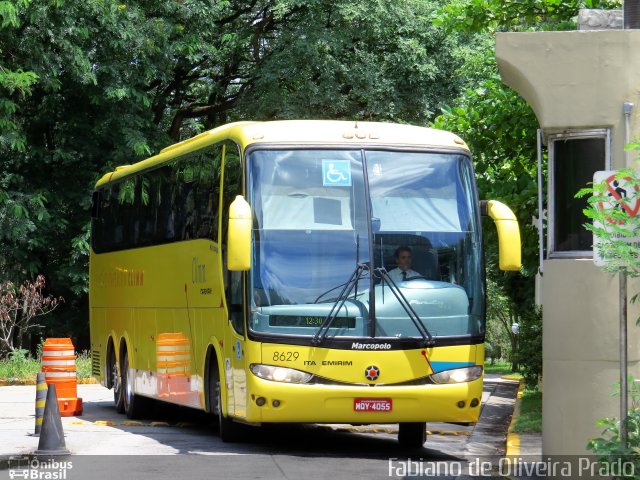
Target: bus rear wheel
x=412, y=435
x=116, y=382
x=135, y=406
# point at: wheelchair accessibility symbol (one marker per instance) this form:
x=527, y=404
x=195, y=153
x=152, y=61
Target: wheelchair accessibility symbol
x=336, y=173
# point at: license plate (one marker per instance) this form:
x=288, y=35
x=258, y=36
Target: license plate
x=372, y=404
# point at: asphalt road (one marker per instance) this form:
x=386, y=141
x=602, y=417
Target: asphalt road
x=181, y=443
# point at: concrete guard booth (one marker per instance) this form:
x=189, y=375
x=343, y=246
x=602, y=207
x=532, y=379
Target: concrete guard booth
x=578, y=83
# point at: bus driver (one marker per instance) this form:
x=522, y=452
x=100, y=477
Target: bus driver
x=403, y=271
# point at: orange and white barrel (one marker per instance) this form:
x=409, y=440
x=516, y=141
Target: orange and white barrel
x=59, y=367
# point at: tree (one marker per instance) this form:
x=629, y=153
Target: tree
x=530, y=346
x=356, y=60
x=15, y=82
x=500, y=310
x=19, y=305
x=108, y=83
x=500, y=130
x=499, y=126
x=15, y=86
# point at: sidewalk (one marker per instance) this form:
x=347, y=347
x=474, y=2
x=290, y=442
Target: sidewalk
x=527, y=445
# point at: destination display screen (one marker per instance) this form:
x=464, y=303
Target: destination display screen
x=309, y=321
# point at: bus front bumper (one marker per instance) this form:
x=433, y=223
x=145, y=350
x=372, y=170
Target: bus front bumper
x=273, y=402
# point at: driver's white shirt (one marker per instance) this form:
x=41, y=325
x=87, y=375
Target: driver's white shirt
x=396, y=274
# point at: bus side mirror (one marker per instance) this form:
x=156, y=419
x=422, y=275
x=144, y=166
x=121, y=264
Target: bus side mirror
x=509, y=246
x=239, y=235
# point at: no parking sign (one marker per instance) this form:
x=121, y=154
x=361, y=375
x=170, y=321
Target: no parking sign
x=620, y=194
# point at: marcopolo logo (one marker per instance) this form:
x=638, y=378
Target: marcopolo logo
x=370, y=346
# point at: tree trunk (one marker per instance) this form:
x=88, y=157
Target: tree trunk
x=514, y=352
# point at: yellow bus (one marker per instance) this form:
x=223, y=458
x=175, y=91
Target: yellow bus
x=254, y=272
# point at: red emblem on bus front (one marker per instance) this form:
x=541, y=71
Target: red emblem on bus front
x=372, y=372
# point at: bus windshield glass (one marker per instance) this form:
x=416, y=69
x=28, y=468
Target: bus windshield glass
x=365, y=243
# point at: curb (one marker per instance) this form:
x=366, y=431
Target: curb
x=513, y=439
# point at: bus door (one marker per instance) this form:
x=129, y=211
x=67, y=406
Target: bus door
x=235, y=362
x=235, y=365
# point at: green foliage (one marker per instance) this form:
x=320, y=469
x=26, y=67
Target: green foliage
x=9, y=12
x=492, y=350
x=15, y=82
x=356, y=60
x=40, y=348
x=18, y=365
x=524, y=349
x=497, y=124
x=499, y=367
x=608, y=447
x=500, y=317
x=500, y=129
x=530, y=346
x=529, y=419
x=20, y=213
x=522, y=15
x=83, y=364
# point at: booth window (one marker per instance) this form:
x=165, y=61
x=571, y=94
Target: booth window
x=573, y=159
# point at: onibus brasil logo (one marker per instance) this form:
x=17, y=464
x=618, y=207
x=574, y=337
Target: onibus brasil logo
x=38, y=469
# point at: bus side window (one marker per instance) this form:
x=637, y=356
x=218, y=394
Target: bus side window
x=207, y=193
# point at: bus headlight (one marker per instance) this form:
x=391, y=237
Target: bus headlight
x=458, y=375
x=280, y=374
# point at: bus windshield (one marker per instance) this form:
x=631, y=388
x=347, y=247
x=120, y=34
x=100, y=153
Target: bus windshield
x=365, y=243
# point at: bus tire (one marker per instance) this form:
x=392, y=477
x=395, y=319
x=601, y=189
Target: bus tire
x=412, y=435
x=116, y=381
x=135, y=406
x=230, y=431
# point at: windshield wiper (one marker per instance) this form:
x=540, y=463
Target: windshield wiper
x=357, y=274
x=330, y=290
x=415, y=318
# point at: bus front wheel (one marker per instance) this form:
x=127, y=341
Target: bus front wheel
x=230, y=431
x=412, y=435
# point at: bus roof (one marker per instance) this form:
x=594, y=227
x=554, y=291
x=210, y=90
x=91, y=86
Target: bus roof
x=300, y=132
